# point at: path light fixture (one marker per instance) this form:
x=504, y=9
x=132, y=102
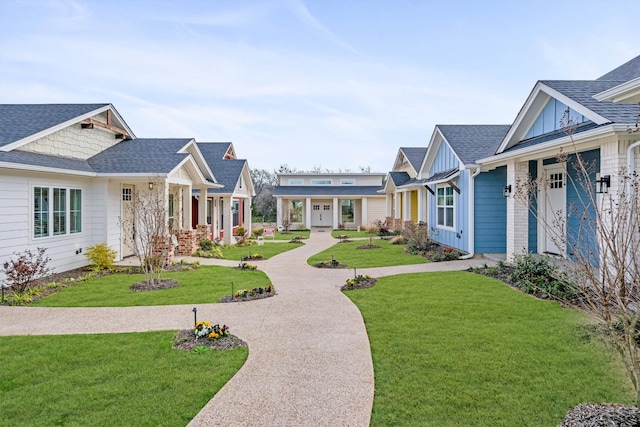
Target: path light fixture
x=603, y=183
x=195, y=316
x=506, y=192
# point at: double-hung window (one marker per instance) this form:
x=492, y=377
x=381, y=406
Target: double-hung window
x=445, y=203
x=57, y=211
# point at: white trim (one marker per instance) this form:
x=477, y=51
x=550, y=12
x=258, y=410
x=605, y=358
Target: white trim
x=454, y=207
x=626, y=92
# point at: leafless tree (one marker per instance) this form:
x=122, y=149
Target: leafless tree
x=146, y=223
x=602, y=247
x=264, y=183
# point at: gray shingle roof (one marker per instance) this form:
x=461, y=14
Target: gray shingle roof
x=141, y=155
x=550, y=136
x=399, y=178
x=18, y=121
x=45, y=161
x=627, y=71
x=442, y=175
x=415, y=156
x=473, y=142
x=226, y=171
x=582, y=92
x=328, y=190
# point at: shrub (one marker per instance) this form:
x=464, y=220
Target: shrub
x=398, y=240
x=24, y=271
x=258, y=232
x=102, y=257
x=382, y=227
x=535, y=274
x=417, y=237
x=206, y=244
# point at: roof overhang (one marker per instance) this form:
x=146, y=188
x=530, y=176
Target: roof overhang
x=628, y=92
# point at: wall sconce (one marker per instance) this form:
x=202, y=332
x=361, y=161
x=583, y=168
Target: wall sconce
x=603, y=183
x=151, y=186
x=506, y=192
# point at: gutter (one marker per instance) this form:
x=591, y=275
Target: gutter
x=471, y=211
x=631, y=165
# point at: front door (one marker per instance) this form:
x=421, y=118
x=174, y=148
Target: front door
x=128, y=227
x=555, y=211
x=321, y=214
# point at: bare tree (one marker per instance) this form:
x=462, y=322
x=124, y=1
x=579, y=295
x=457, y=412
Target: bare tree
x=146, y=222
x=264, y=203
x=602, y=246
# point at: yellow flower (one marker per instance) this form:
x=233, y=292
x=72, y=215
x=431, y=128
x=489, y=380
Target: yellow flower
x=213, y=335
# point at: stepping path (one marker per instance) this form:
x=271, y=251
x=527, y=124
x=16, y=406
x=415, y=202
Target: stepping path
x=309, y=359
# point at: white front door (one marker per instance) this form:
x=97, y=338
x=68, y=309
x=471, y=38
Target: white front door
x=128, y=227
x=321, y=214
x=555, y=215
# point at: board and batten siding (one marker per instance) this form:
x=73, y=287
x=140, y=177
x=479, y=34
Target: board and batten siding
x=16, y=221
x=490, y=212
x=445, y=159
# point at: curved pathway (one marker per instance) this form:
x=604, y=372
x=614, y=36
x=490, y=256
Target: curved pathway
x=309, y=359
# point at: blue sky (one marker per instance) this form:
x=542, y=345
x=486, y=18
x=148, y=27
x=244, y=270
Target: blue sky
x=334, y=84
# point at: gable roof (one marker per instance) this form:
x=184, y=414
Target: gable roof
x=227, y=171
x=20, y=122
x=141, y=156
x=473, y=142
x=414, y=156
x=627, y=71
x=399, y=178
x=46, y=163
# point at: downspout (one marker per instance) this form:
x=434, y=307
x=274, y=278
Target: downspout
x=471, y=211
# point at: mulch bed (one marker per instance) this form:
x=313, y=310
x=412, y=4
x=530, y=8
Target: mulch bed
x=369, y=247
x=186, y=340
x=602, y=415
x=157, y=284
x=362, y=285
x=231, y=298
x=330, y=265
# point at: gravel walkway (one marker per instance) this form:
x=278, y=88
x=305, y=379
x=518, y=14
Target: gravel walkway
x=309, y=359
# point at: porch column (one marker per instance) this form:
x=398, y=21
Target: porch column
x=397, y=198
x=228, y=220
x=422, y=204
x=246, y=215
x=336, y=206
x=202, y=207
x=307, y=212
x=185, y=197
x=406, y=211
x=279, y=212
x=364, y=215
x=517, y=212
x=389, y=203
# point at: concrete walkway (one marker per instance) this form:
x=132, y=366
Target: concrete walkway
x=309, y=359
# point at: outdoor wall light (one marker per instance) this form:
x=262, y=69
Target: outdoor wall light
x=151, y=186
x=506, y=192
x=603, y=183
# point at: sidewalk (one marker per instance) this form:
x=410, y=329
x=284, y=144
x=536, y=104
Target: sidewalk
x=309, y=359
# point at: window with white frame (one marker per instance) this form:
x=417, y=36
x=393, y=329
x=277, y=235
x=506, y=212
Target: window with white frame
x=445, y=204
x=295, y=211
x=171, y=211
x=56, y=211
x=347, y=182
x=348, y=210
x=321, y=182
x=296, y=181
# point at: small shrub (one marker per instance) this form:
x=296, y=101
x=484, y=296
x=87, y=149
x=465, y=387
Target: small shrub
x=21, y=273
x=240, y=231
x=102, y=257
x=398, y=240
x=535, y=274
x=301, y=227
x=382, y=227
x=417, y=237
x=206, y=244
x=258, y=232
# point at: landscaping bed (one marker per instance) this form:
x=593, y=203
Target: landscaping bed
x=187, y=340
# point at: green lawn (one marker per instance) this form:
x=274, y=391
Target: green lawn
x=460, y=349
x=108, y=379
x=203, y=285
x=352, y=233
x=290, y=235
x=268, y=250
x=347, y=253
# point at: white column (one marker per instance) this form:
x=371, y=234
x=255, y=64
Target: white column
x=517, y=212
x=396, y=204
x=406, y=211
x=185, y=198
x=307, y=212
x=202, y=206
x=389, y=203
x=279, y=212
x=364, y=216
x=422, y=204
x=228, y=220
x=246, y=220
x=336, y=207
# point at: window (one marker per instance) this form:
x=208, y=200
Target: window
x=295, y=211
x=316, y=207
x=348, y=208
x=347, y=182
x=445, y=206
x=75, y=211
x=234, y=209
x=63, y=211
x=295, y=182
x=321, y=182
x=240, y=183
